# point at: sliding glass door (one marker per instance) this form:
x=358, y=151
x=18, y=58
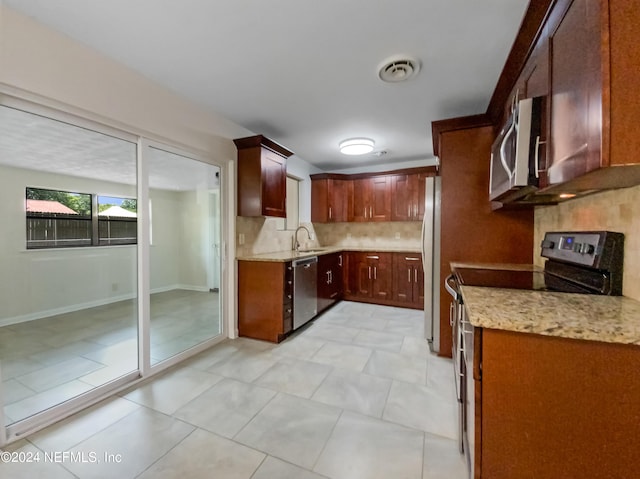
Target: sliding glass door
x=68, y=301
x=184, y=254
x=110, y=254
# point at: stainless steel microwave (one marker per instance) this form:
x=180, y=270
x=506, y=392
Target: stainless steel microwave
x=514, y=153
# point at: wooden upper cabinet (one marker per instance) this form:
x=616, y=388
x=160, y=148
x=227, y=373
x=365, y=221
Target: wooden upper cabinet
x=584, y=56
x=390, y=196
x=329, y=200
x=408, y=196
x=262, y=177
x=371, y=200
x=576, y=91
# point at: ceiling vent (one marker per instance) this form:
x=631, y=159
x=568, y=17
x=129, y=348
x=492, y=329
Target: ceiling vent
x=398, y=68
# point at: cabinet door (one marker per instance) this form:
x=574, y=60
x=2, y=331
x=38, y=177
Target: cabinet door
x=320, y=201
x=408, y=280
x=402, y=280
x=381, y=276
x=338, y=276
x=324, y=282
x=274, y=184
x=421, y=190
x=418, y=285
x=359, y=210
x=380, y=198
x=403, y=194
x=363, y=276
x=576, y=92
x=337, y=196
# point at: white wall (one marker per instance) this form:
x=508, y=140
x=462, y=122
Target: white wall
x=301, y=170
x=41, y=65
x=40, y=283
x=37, y=283
x=36, y=59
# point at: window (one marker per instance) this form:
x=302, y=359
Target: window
x=58, y=219
x=117, y=220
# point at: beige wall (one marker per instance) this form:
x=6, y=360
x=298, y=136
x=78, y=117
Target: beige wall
x=261, y=235
x=617, y=210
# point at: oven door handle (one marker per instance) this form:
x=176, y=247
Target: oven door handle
x=449, y=285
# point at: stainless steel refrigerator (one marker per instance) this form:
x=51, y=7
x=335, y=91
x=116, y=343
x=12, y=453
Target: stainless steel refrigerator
x=431, y=262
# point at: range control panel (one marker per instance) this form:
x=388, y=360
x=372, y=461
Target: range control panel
x=594, y=249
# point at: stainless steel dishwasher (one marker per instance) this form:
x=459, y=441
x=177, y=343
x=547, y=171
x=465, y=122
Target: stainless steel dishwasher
x=305, y=294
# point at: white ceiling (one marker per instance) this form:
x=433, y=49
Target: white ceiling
x=35, y=142
x=304, y=72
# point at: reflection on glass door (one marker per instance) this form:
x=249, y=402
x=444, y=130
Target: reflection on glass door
x=68, y=281
x=184, y=253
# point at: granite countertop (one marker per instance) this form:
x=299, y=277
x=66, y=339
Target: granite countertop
x=612, y=319
x=507, y=266
x=283, y=256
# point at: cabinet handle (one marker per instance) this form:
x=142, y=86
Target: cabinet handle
x=373, y=257
x=370, y=212
x=289, y=296
x=329, y=212
x=408, y=258
x=369, y=272
x=409, y=276
x=375, y=272
x=537, y=155
x=415, y=275
x=340, y=260
x=365, y=211
x=288, y=310
x=330, y=277
x=409, y=211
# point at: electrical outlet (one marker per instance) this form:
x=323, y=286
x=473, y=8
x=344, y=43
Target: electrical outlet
x=241, y=238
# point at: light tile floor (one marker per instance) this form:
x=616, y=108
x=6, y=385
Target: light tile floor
x=47, y=361
x=335, y=400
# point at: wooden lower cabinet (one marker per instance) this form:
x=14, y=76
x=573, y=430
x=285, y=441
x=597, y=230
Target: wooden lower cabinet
x=408, y=280
x=553, y=408
x=330, y=273
x=383, y=278
x=265, y=300
x=369, y=277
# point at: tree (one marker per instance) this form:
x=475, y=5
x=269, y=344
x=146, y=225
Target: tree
x=130, y=204
x=78, y=202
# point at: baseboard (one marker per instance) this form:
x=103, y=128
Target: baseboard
x=93, y=304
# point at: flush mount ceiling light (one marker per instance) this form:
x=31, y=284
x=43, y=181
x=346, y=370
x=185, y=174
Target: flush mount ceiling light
x=398, y=68
x=356, y=146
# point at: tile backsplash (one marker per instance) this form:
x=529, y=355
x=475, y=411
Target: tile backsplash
x=617, y=210
x=393, y=234
x=265, y=235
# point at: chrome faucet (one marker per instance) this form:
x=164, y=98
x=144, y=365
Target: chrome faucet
x=296, y=243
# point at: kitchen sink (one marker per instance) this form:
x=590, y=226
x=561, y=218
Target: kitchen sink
x=311, y=250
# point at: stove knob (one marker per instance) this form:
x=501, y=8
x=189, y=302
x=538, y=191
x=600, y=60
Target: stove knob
x=588, y=248
x=548, y=244
x=577, y=247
